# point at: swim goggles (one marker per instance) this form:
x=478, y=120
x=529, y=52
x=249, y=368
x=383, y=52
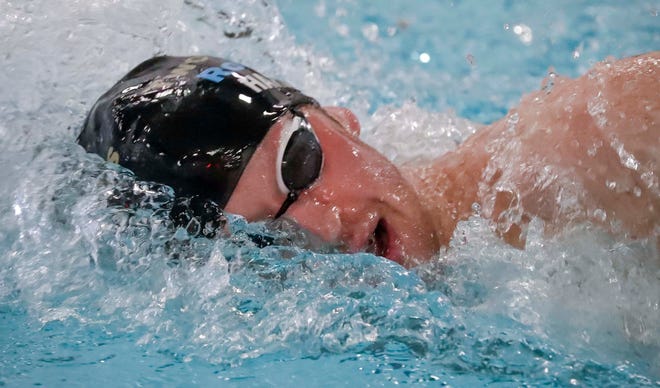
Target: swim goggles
x=299, y=158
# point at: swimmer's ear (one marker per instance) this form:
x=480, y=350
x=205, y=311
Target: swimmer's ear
x=346, y=118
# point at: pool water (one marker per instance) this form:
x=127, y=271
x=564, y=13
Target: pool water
x=96, y=293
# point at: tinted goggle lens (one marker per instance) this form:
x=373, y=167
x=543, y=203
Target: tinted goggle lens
x=300, y=161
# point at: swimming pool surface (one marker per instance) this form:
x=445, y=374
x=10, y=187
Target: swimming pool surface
x=109, y=295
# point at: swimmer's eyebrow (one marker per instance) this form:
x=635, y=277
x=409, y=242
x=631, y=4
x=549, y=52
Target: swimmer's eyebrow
x=331, y=117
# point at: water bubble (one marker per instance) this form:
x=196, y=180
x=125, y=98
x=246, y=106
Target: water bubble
x=370, y=31
x=524, y=33
x=650, y=180
x=512, y=121
x=343, y=30
x=627, y=159
x=597, y=107
x=578, y=51
x=549, y=82
x=591, y=151
x=391, y=31
x=600, y=215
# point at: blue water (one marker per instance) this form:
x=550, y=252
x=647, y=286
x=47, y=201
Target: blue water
x=466, y=55
x=92, y=293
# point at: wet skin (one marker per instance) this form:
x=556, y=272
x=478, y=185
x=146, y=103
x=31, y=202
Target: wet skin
x=583, y=150
x=558, y=142
x=360, y=199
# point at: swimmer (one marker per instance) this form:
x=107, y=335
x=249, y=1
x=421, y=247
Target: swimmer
x=579, y=150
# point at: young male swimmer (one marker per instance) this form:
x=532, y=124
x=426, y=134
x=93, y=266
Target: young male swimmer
x=262, y=149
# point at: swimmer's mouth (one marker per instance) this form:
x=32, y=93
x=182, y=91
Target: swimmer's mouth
x=379, y=240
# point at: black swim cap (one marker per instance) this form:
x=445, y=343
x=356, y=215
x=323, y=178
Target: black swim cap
x=189, y=122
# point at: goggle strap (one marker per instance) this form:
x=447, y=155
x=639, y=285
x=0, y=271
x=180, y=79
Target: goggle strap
x=290, y=199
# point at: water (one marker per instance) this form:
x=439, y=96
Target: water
x=116, y=295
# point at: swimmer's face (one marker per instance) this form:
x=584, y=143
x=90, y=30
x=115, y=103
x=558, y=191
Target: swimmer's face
x=360, y=200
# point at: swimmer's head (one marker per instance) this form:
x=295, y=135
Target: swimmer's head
x=193, y=123
x=219, y=130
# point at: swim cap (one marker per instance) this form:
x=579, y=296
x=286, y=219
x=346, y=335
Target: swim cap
x=189, y=122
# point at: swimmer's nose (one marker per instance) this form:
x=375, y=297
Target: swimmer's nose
x=317, y=216
x=346, y=118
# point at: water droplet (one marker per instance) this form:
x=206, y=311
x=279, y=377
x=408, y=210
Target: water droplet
x=597, y=107
x=343, y=30
x=650, y=180
x=549, y=82
x=631, y=163
x=370, y=31
x=470, y=59
x=610, y=184
x=591, y=151
x=600, y=215
x=512, y=121
x=627, y=159
x=524, y=33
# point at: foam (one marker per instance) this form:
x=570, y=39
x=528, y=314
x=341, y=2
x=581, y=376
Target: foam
x=117, y=286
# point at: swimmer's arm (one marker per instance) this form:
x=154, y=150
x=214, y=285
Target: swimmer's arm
x=602, y=131
x=564, y=131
